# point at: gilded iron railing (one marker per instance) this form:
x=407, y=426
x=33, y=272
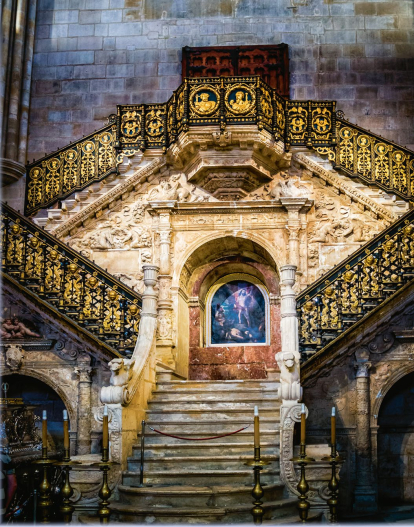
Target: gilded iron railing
x=219, y=101
x=351, y=290
x=372, y=158
x=59, y=174
x=70, y=283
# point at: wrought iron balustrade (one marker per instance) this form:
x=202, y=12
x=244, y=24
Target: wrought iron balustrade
x=372, y=158
x=70, y=283
x=59, y=174
x=219, y=101
x=351, y=290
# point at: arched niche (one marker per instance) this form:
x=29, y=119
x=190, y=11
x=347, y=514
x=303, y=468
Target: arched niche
x=396, y=443
x=40, y=394
x=237, y=312
x=207, y=265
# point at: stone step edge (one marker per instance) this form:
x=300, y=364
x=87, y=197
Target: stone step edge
x=272, y=457
x=237, y=381
x=170, y=423
x=155, y=446
x=234, y=390
x=190, y=511
x=190, y=473
x=189, y=490
x=209, y=410
x=232, y=401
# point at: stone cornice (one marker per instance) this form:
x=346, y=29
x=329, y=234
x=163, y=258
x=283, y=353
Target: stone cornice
x=337, y=182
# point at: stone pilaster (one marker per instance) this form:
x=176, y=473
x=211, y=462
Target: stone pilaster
x=84, y=370
x=294, y=225
x=165, y=306
x=365, y=499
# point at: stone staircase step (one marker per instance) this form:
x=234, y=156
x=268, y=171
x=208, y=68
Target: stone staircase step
x=210, y=462
x=214, y=415
x=211, y=428
x=184, y=496
x=239, y=394
x=195, y=448
x=216, y=385
x=201, y=477
x=202, y=404
x=274, y=510
x=266, y=434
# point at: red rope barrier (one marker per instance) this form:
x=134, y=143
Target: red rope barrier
x=197, y=438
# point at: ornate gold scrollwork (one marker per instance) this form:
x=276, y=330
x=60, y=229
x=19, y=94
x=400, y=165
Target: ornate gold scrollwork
x=52, y=186
x=154, y=123
x=266, y=105
x=321, y=121
x=130, y=126
x=35, y=186
x=70, y=170
x=73, y=285
x=179, y=112
x=88, y=162
x=298, y=120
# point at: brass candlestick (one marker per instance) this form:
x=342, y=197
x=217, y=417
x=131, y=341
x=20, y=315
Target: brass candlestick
x=333, y=486
x=257, y=492
x=66, y=508
x=104, y=511
x=45, y=503
x=303, y=486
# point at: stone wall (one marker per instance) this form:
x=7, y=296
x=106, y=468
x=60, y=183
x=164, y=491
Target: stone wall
x=93, y=54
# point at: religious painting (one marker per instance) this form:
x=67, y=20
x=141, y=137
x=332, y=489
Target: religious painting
x=238, y=314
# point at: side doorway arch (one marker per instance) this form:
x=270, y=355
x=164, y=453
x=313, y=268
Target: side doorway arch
x=396, y=444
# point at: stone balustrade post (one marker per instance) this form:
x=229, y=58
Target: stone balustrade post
x=288, y=358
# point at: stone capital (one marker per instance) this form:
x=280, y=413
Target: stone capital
x=362, y=369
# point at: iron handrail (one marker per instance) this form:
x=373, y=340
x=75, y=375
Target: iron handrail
x=69, y=282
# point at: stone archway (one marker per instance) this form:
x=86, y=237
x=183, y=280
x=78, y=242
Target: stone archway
x=396, y=443
x=209, y=264
x=42, y=396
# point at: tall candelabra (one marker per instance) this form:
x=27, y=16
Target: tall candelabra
x=45, y=503
x=257, y=463
x=333, y=460
x=104, y=511
x=302, y=460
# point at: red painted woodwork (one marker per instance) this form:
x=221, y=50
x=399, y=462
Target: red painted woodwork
x=270, y=62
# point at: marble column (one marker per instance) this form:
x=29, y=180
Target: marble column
x=84, y=370
x=365, y=499
x=18, y=27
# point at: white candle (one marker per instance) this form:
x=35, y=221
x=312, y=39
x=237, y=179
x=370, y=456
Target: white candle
x=65, y=415
x=333, y=411
x=44, y=414
x=256, y=428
